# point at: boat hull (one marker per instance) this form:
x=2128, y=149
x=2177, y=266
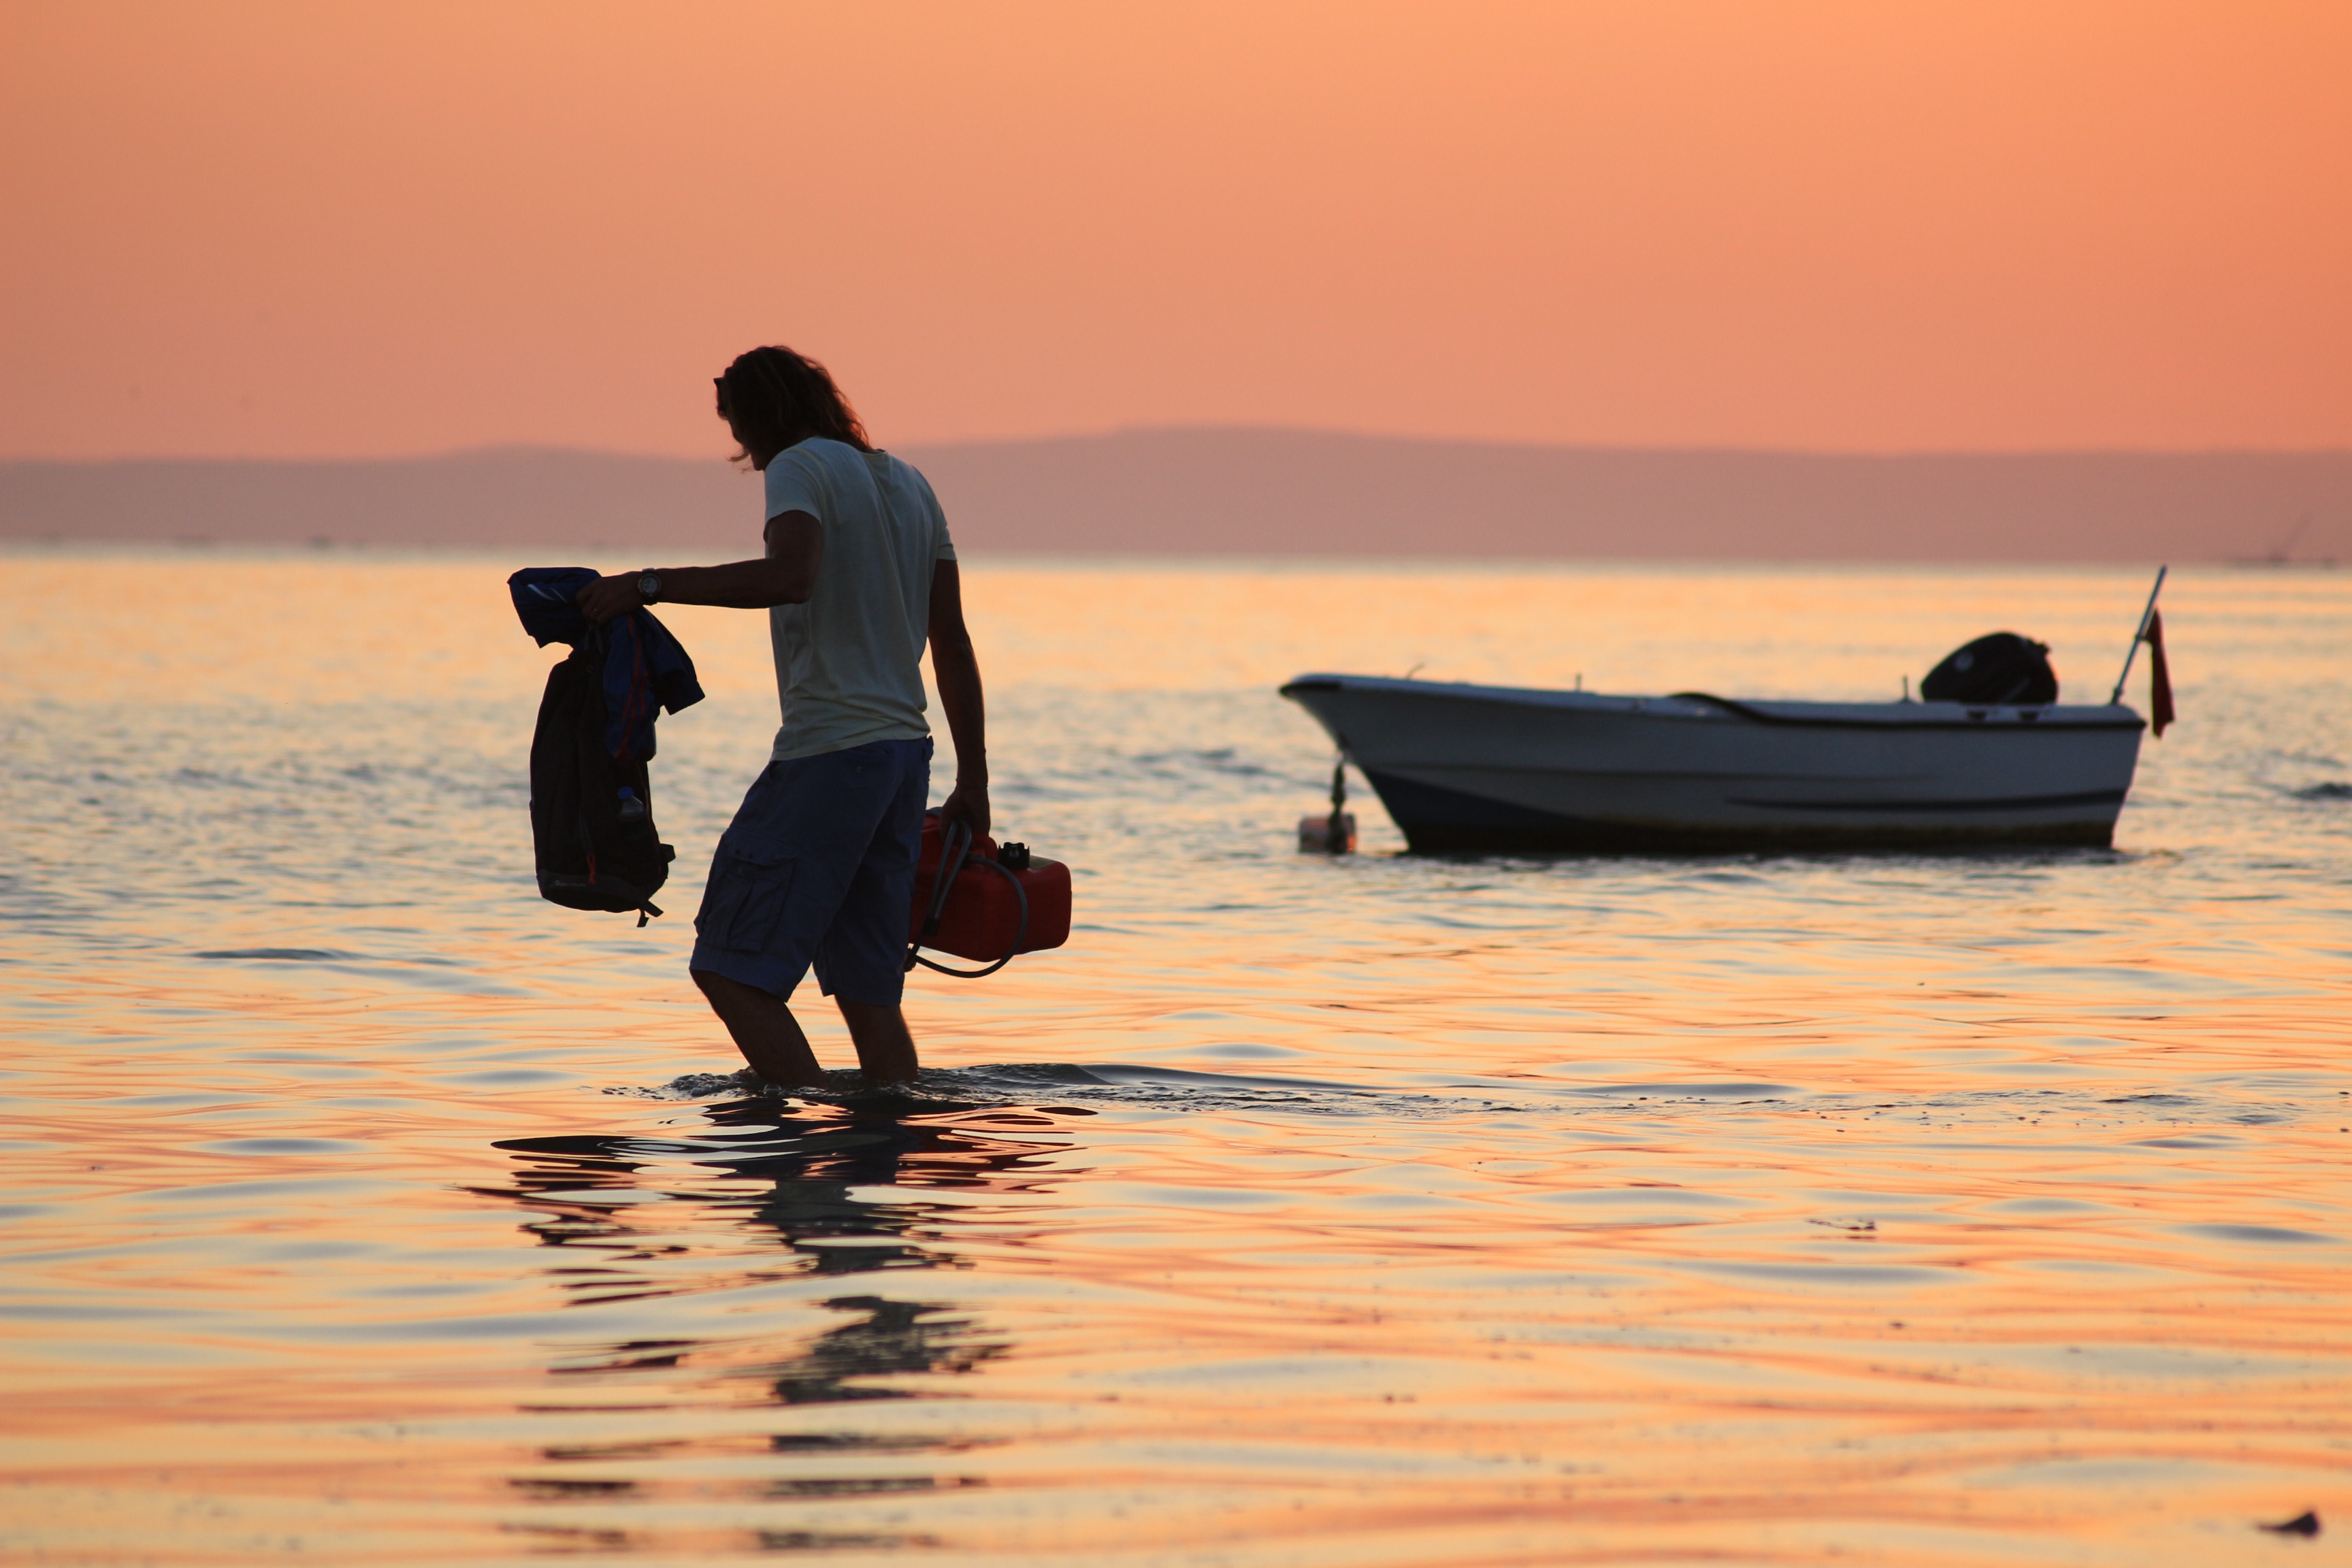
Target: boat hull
x=1473, y=768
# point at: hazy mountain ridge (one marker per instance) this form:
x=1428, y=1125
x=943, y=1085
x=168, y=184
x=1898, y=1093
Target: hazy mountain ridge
x=1260, y=491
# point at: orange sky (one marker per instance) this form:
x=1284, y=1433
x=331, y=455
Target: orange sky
x=310, y=229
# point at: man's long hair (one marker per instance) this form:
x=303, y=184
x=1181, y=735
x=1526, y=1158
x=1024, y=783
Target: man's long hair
x=776, y=397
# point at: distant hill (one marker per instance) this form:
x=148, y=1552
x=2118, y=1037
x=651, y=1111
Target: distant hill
x=1255, y=491
x=518, y=495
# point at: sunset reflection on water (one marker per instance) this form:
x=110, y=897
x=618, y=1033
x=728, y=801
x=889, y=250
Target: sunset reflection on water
x=1379, y=1210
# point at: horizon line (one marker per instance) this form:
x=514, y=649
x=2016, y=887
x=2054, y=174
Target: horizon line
x=1694, y=448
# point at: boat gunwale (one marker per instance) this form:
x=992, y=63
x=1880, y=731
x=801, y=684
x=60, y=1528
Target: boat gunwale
x=2046, y=720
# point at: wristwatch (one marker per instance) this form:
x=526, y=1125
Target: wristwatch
x=649, y=587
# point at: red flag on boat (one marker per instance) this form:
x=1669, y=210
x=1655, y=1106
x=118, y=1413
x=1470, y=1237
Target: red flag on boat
x=2159, y=677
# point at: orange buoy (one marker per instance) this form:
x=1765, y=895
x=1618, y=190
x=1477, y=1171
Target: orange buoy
x=1333, y=834
x=1315, y=833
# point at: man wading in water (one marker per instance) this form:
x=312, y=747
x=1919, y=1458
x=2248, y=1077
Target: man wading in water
x=818, y=865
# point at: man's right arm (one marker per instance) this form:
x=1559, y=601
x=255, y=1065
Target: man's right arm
x=788, y=575
x=957, y=670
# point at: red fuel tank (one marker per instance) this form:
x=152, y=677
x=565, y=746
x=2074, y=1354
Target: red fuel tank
x=982, y=915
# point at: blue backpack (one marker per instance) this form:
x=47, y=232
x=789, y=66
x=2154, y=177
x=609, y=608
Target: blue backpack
x=592, y=799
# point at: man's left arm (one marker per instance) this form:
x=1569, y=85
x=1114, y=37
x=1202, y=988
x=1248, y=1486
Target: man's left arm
x=957, y=670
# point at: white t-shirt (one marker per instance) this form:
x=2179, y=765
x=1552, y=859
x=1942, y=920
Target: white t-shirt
x=849, y=662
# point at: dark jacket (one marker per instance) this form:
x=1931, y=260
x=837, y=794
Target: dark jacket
x=646, y=668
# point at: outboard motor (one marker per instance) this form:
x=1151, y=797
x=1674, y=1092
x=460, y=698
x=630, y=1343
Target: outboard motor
x=1998, y=670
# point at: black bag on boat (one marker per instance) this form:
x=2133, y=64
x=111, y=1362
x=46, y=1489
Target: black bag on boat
x=1999, y=669
x=592, y=817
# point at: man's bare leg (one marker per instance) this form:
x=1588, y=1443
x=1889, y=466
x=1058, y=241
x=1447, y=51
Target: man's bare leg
x=765, y=1031
x=885, y=1050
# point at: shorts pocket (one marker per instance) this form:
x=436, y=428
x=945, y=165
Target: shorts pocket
x=747, y=891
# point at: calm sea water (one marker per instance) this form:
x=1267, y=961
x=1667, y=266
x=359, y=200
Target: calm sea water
x=1373, y=1211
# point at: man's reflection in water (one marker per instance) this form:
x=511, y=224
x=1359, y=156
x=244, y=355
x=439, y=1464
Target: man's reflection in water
x=632, y=1217
x=636, y=1219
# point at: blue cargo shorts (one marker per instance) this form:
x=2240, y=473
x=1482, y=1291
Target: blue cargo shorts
x=818, y=868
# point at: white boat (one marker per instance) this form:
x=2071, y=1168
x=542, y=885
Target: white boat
x=1464, y=767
